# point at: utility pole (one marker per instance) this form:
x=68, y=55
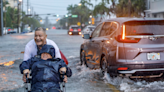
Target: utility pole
x=32, y=11
x=5, y=18
x=27, y=6
x=27, y=11
x=129, y=12
x=22, y=7
x=1, y=18
x=22, y=18
x=18, y=18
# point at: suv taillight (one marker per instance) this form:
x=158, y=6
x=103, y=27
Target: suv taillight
x=9, y=29
x=71, y=29
x=127, y=40
x=122, y=38
x=79, y=29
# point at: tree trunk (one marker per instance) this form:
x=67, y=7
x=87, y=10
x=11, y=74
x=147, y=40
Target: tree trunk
x=129, y=6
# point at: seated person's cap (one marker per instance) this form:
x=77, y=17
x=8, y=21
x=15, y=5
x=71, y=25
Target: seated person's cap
x=48, y=49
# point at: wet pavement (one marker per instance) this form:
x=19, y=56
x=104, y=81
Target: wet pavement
x=82, y=80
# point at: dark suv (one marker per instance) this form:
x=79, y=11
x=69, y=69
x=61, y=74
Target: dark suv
x=74, y=29
x=132, y=47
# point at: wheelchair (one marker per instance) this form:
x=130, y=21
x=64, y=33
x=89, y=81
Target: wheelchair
x=27, y=85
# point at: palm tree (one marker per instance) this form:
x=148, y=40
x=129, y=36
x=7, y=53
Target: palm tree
x=86, y=3
x=101, y=9
x=131, y=8
x=82, y=11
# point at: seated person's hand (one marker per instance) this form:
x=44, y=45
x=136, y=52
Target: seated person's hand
x=25, y=72
x=63, y=70
x=65, y=79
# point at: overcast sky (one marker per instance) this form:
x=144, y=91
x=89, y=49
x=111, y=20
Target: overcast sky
x=51, y=6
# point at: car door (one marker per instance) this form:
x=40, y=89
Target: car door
x=92, y=45
x=99, y=42
x=108, y=44
x=112, y=44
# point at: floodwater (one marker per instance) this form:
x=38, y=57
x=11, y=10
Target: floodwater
x=83, y=78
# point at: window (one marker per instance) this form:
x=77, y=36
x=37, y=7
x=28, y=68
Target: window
x=105, y=29
x=97, y=31
x=148, y=15
x=113, y=27
x=155, y=15
x=145, y=27
x=108, y=28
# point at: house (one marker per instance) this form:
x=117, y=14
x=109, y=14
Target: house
x=12, y=3
x=154, y=8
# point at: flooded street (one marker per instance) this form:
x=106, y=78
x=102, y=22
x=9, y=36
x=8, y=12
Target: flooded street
x=83, y=78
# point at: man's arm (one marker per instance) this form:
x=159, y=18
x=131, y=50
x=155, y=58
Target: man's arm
x=25, y=65
x=27, y=54
x=63, y=67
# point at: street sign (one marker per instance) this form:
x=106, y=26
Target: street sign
x=78, y=23
x=74, y=16
x=93, y=21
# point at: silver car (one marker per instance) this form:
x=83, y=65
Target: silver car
x=88, y=29
x=131, y=47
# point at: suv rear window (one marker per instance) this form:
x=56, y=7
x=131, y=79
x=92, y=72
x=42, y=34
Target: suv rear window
x=144, y=27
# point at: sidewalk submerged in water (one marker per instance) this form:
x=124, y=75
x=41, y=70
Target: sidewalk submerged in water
x=11, y=48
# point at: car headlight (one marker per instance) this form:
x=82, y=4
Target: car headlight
x=70, y=33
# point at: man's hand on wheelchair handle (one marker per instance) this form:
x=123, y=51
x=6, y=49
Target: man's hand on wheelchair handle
x=65, y=79
x=26, y=71
x=63, y=70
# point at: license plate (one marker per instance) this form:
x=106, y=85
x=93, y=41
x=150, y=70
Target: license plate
x=75, y=30
x=153, y=56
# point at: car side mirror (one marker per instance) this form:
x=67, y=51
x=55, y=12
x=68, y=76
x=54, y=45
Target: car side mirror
x=86, y=36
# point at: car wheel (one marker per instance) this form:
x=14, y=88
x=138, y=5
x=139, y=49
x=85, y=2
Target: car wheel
x=103, y=65
x=82, y=58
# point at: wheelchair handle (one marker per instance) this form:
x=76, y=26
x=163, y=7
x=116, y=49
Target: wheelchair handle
x=27, y=81
x=26, y=75
x=62, y=73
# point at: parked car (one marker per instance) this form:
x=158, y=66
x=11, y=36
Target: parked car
x=74, y=29
x=10, y=30
x=88, y=29
x=26, y=30
x=131, y=47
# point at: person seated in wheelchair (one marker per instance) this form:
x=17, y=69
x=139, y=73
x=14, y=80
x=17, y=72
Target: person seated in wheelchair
x=45, y=70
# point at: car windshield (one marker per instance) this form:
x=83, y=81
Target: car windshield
x=75, y=27
x=91, y=28
x=144, y=28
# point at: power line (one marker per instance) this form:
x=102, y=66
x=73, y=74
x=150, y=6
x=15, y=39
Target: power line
x=49, y=8
x=44, y=5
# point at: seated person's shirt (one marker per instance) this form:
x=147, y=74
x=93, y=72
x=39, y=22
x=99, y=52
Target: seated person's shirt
x=45, y=73
x=31, y=49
